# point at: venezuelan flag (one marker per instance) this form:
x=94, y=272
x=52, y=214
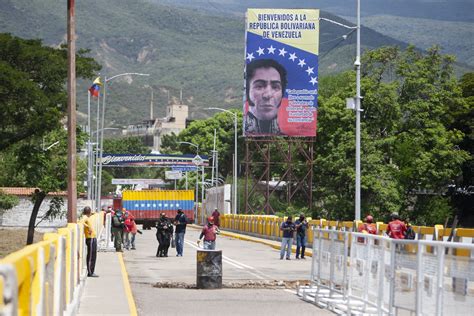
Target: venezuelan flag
x=95, y=88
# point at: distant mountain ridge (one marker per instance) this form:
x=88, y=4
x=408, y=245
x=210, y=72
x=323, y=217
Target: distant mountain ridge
x=196, y=52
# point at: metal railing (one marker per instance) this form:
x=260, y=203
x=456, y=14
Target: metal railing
x=362, y=274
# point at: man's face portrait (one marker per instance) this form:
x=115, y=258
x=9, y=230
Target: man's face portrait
x=265, y=93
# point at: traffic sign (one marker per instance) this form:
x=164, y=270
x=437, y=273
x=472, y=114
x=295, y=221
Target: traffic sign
x=173, y=175
x=184, y=168
x=197, y=160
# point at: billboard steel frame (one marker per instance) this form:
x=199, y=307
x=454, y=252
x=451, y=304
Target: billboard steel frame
x=270, y=157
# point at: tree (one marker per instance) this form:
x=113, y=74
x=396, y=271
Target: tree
x=408, y=148
x=462, y=190
x=32, y=91
x=33, y=99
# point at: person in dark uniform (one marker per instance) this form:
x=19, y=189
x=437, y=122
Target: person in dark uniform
x=164, y=231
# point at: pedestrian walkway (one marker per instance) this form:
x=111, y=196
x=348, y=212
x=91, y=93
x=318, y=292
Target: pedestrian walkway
x=110, y=293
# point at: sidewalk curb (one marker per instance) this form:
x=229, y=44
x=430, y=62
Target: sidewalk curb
x=255, y=239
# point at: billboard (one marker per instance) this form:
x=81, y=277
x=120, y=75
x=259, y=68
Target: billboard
x=281, y=72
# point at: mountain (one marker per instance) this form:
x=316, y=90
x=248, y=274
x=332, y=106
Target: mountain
x=196, y=52
x=423, y=23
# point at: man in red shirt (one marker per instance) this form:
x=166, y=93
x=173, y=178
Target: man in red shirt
x=216, y=215
x=367, y=228
x=396, y=228
x=209, y=232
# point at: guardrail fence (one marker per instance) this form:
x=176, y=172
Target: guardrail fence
x=46, y=278
x=362, y=274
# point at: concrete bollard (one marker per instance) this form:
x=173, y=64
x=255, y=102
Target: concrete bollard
x=209, y=269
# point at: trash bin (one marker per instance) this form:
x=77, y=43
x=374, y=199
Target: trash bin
x=209, y=269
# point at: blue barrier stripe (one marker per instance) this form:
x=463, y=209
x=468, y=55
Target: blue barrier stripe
x=161, y=205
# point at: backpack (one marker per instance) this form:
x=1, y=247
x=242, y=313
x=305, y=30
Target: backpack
x=410, y=233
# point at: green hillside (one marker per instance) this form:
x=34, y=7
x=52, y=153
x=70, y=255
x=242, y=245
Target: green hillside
x=455, y=38
x=198, y=53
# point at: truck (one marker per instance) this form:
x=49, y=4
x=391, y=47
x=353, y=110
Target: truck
x=147, y=205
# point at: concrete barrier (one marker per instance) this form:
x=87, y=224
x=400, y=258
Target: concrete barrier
x=46, y=278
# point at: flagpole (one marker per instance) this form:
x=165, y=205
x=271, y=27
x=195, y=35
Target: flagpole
x=97, y=157
x=89, y=176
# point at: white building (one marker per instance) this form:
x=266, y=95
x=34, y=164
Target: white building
x=153, y=129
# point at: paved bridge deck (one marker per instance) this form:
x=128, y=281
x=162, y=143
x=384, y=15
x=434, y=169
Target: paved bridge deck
x=250, y=271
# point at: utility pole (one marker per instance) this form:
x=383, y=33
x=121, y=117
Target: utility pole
x=71, y=114
x=357, y=64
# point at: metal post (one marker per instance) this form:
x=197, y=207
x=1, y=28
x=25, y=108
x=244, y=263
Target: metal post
x=101, y=151
x=439, y=282
x=235, y=164
x=202, y=193
x=96, y=180
x=89, y=176
x=391, y=298
x=419, y=278
x=71, y=113
x=213, y=159
x=234, y=184
x=358, y=110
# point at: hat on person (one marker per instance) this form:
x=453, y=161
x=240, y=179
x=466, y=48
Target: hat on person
x=395, y=215
x=210, y=219
x=179, y=210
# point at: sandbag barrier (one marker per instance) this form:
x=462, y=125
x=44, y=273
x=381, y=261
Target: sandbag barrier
x=46, y=278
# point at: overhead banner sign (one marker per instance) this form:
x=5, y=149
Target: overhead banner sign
x=149, y=160
x=138, y=181
x=281, y=72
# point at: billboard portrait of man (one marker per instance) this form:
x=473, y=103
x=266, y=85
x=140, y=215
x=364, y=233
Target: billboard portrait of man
x=281, y=72
x=265, y=84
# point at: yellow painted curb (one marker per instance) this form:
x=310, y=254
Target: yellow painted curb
x=128, y=289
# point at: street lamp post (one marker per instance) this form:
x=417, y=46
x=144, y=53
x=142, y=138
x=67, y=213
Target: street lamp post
x=91, y=163
x=197, y=178
x=358, y=110
x=235, y=157
x=101, y=144
x=354, y=104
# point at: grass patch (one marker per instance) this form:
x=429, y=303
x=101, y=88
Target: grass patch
x=14, y=239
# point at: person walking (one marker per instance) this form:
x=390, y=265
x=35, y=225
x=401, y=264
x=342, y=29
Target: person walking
x=396, y=228
x=133, y=231
x=180, y=221
x=164, y=232
x=209, y=232
x=288, y=228
x=117, y=230
x=301, y=225
x=91, y=242
x=217, y=220
x=127, y=229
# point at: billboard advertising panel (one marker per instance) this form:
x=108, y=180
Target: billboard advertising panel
x=281, y=72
